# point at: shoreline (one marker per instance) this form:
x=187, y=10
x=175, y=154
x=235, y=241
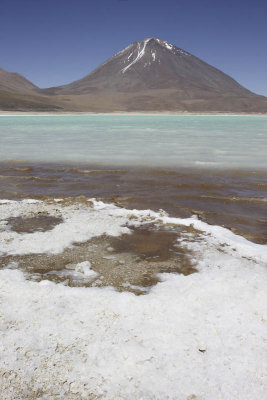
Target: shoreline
x=91, y=167
x=128, y=113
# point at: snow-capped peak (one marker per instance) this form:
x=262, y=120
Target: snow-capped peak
x=152, y=52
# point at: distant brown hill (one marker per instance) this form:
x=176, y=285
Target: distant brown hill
x=14, y=82
x=19, y=94
x=151, y=75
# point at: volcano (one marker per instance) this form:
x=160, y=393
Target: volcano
x=155, y=64
x=152, y=75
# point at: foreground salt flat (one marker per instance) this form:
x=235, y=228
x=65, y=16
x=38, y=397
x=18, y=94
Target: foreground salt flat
x=78, y=343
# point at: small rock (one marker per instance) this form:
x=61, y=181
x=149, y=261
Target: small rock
x=70, y=266
x=109, y=257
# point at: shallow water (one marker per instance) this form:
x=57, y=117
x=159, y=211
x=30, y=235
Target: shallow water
x=234, y=199
x=168, y=141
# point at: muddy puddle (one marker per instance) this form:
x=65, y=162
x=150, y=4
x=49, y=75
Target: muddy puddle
x=39, y=223
x=130, y=262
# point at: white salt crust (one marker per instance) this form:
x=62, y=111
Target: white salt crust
x=195, y=337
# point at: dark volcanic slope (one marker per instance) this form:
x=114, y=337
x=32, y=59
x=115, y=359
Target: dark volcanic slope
x=155, y=64
x=13, y=82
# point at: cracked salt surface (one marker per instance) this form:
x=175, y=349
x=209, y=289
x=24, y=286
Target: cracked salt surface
x=191, y=337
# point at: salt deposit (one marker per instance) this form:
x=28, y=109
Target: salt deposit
x=191, y=337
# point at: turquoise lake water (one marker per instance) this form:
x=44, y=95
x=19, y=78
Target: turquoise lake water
x=223, y=142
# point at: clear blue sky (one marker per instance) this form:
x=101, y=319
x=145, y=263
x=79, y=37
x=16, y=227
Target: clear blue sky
x=53, y=42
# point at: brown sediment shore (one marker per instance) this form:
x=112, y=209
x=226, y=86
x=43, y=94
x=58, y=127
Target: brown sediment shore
x=234, y=199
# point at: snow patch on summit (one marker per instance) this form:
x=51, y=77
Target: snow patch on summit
x=174, y=49
x=140, y=54
x=169, y=46
x=140, y=47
